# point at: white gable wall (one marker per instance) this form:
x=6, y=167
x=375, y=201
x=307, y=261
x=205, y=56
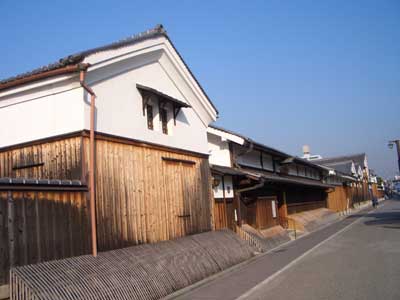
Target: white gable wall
x=120, y=111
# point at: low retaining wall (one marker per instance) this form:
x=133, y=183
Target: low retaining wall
x=311, y=220
x=149, y=271
x=267, y=239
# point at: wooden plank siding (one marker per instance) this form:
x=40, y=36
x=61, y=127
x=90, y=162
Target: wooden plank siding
x=41, y=226
x=224, y=217
x=300, y=199
x=60, y=159
x=338, y=199
x=264, y=215
x=145, y=195
x=257, y=212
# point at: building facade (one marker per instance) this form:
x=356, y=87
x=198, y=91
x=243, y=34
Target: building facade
x=138, y=107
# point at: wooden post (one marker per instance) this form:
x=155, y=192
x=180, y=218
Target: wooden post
x=11, y=233
x=223, y=195
x=24, y=230
x=239, y=213
x=38, y=238
x=283, y=208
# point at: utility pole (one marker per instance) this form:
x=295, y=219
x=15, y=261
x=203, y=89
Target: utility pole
x=397, y=143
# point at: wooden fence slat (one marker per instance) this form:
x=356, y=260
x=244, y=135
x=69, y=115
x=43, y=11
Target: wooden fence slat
x=33, y=228
x=11, y=228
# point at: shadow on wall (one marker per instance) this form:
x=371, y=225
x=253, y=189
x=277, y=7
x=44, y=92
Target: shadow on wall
x=42, y=226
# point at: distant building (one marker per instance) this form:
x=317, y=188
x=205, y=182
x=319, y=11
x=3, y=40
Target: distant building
x=257, y=185
x=354, y=171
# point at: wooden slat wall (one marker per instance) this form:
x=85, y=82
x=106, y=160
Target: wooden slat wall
x=264, y=215
x=294, y=208
x=224, y=218
x=303, y=199
x=143, y=198
x=41, y=226
x=61, y=160
x=337, y=199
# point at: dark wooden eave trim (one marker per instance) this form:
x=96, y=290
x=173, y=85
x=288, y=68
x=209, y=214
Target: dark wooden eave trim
x=145, y=89
x=39, y=76
x=147, y=92
x=15, y=187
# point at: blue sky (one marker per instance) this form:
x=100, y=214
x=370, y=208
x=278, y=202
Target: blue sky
x=287, y=73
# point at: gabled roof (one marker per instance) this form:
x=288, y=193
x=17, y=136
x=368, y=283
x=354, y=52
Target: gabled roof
x=78, y=57
x=68, y=61
x=302, y=161
x=251, y=141
x=344, y=167
x=356, y=158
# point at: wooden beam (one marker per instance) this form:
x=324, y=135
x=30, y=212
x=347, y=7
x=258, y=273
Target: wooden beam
x=184, y=161
x=26, y=166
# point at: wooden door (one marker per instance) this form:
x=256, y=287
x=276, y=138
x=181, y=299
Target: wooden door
x=178, y=181
x=267, y=212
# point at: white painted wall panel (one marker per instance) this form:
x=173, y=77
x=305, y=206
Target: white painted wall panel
x=218, y=150
x=47, y=116
x=219, y=191
x=228, y=187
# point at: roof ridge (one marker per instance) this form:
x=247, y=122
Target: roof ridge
x=78, y=57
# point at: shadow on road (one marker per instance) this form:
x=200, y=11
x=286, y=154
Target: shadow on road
x=389, y=218
x=385, y=219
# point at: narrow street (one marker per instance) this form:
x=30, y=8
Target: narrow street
x=356, y=258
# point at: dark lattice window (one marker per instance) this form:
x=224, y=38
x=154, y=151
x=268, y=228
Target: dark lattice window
x=149, y=110
x=164, y=120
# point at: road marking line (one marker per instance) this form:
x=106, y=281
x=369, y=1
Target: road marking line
x=293, y=262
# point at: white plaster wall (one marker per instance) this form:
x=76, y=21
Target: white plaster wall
x=40, y=114
x=218, y=150
x=119, y=106
x=218, y=190
x=228, y=187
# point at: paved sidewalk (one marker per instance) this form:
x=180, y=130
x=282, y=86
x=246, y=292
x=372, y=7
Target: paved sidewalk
x=232, y=285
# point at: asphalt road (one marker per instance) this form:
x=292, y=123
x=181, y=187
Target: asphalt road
x=357, y=258
x=362, y=262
